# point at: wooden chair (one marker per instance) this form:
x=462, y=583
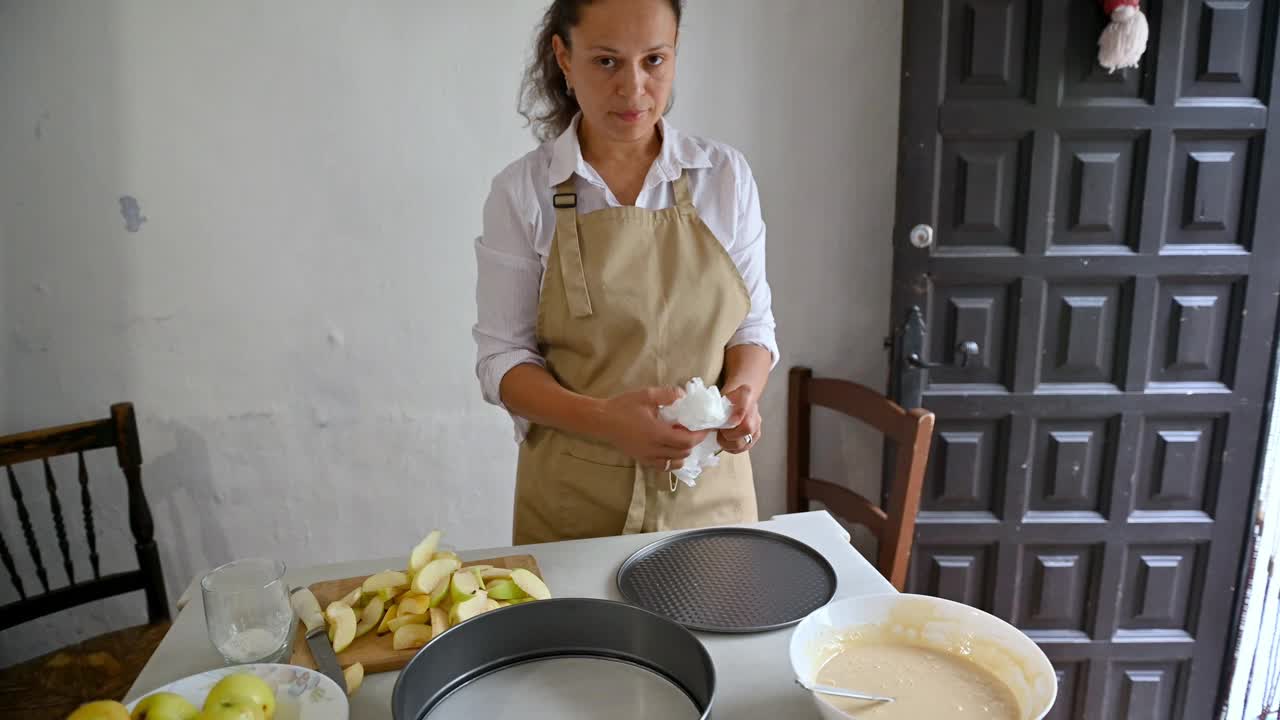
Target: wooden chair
x=910, y=433
x=103, y=667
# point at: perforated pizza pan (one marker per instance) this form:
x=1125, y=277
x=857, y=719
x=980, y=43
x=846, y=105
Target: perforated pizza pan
x=728, y=580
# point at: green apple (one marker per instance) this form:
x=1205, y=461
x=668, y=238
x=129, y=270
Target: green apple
x=411, y=636
x=232, y=711
x=353, y=598
x=421, y=554
x=464, y=611
x=354, y=675
x=402, y=620
x=164, y=706
x=439, y=621
x=465, y=585
x=494, y=573
x=243, y=688
x=100, y=710
x=370, y=617
x=387, y=579
x=531, y=584
x=432, y=573
x=504, y=589
x=386, y=619
x=446, y=554
x=343, y=621
x=440, y=592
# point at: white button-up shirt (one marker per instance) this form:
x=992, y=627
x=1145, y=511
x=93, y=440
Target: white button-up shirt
x=520, y=222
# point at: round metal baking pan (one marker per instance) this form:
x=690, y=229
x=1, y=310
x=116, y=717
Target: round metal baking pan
x=728, y=580
x=548, y=629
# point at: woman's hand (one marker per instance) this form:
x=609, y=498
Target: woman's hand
x=632, y=425
x=745, y=421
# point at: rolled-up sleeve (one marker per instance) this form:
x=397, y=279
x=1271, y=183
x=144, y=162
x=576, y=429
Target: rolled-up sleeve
x=748, y=254
x=508, y=282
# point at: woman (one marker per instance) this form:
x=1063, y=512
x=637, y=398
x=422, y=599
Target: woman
x=619, y=260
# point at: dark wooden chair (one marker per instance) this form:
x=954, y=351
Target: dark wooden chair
x=103, y=667
x=909, y=432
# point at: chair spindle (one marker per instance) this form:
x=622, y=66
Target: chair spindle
x=87, y=503
x=7, y=557
x=58, y=524
x=27, y=532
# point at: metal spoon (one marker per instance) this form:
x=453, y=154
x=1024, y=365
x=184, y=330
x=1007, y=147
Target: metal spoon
x=841, y=692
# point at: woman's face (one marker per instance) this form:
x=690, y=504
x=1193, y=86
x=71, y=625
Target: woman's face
x=622, y=65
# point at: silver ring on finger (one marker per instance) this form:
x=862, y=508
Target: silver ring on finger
x=746, y=439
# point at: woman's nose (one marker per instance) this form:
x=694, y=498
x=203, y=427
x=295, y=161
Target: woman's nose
x=632, y=81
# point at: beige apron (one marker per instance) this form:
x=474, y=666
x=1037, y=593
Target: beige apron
x=632, y=298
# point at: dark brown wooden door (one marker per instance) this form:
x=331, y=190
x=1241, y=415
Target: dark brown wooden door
x=1111, y=244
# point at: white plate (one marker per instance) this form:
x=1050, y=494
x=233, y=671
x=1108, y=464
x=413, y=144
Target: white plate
x=301, y=694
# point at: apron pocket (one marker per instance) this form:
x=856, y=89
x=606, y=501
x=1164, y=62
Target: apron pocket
x=594, y=489
x=598, y=454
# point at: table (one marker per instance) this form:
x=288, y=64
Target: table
x=754, y=678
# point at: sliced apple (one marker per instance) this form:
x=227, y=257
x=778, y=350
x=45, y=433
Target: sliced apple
x=387, y=579
x=422, y=553
x=353, y=598
x=517, y=601
x=343, y=620
x=402, y=620
x=494, y=573
x=441, y=591
x=491, y=604
x=464, y=587
x=417, y=604
x=531, y=584
x=370, y=616
x=477, y=568
x=411, y=636
x=390, y=615
x=504, y=589
x=391, y=593
x=468, y=609
x=433, y=572
x=439, y=621
x=354, y=675
x=504, y=603
x=446, y=554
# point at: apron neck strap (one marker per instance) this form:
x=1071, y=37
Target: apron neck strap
x=684, y=199
x=575, y=278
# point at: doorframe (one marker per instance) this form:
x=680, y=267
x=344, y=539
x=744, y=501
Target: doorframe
x=1257, y=603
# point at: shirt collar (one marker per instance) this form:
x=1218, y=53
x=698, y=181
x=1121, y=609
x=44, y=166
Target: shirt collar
x=679, y=152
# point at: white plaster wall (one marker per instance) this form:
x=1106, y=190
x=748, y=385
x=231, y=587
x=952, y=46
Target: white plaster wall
x=292, y=318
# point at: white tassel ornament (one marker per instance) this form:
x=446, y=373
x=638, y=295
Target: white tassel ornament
x=1125, y=38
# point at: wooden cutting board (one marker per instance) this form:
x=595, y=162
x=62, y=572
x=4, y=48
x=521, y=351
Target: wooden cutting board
x=372, y=650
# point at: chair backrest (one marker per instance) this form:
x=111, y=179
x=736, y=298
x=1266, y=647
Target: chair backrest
x=119, y=431
x=909, y=432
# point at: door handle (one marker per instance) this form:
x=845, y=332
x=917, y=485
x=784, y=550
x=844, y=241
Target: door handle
x=965, y=351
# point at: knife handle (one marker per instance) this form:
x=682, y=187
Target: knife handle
x=307, y=608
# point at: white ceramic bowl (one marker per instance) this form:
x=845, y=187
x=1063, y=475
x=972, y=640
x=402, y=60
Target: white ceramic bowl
x=999, y=647
x=301, y=694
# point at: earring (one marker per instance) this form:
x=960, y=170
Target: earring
x=568, y=88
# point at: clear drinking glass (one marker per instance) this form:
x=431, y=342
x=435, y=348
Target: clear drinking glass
x=247, y=611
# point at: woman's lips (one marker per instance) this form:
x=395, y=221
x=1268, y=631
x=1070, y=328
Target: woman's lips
x=631, y=116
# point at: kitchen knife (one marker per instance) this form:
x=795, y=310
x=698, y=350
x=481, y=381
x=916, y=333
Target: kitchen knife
x=307, y=608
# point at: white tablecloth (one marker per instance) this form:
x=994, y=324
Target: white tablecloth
x=754, y=679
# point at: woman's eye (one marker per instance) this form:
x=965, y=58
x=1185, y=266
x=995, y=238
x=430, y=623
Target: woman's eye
x=656, y=60
x=606, y=62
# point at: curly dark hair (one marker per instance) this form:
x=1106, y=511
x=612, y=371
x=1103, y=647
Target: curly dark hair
x=545, y=101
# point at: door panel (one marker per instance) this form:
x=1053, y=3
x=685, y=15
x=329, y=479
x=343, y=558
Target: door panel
x=1104, y=241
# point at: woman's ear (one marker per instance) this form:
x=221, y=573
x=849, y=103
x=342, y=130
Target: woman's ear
x=562, y=57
